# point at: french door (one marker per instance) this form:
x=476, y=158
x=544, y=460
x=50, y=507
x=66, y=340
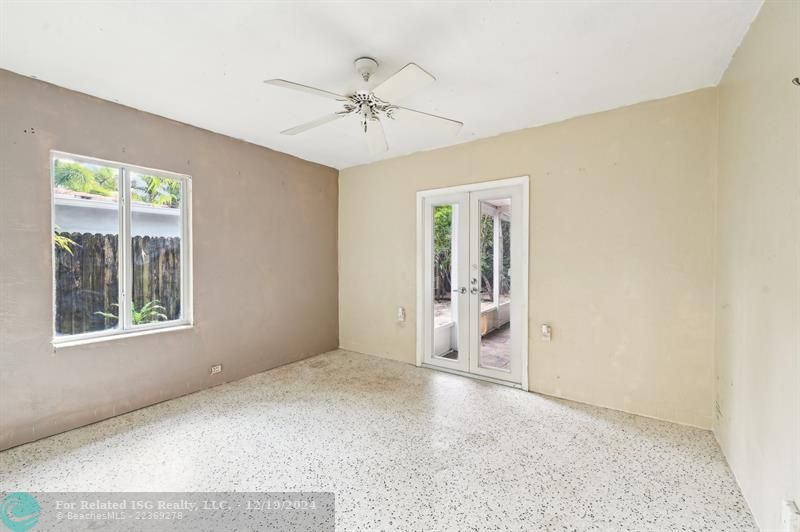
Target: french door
x=472, y=291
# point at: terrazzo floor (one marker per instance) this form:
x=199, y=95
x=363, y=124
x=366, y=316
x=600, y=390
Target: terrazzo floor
x=403, y=449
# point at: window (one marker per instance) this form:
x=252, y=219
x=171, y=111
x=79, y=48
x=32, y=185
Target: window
x=121, y=248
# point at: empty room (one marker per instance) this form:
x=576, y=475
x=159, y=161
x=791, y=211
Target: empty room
x=400, y=265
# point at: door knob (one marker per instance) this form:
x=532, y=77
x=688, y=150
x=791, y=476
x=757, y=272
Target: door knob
x=473, y=290
x=462, y=290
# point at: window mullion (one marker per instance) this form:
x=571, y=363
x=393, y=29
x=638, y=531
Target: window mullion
x=121, y=307
x=126, y=263
x=185, y=254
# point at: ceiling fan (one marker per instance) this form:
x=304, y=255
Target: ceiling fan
x=371, y=105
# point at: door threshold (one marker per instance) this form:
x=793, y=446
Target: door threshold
x=473, y=376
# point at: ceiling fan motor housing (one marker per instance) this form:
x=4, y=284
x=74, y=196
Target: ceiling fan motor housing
x=368, y=106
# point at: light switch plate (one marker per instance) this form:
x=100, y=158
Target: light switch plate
x=547, y=332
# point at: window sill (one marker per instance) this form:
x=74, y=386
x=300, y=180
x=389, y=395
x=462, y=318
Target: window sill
x=61, y=343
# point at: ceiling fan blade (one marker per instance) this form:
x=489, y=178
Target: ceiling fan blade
x=311, y=125
x=304, y=88
x=409, y=79
x=376, y=138
x=433, y=121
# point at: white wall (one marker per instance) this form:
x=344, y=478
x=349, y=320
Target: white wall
x=758, y=272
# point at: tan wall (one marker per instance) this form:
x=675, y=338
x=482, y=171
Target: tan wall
x=264, y=262
x=621, y=251
x=758, y=287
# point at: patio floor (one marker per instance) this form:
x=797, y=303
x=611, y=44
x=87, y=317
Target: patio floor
x=496, y=348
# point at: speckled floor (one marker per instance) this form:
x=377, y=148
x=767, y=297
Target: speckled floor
x=403, y=449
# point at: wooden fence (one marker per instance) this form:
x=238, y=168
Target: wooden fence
x=87, y=280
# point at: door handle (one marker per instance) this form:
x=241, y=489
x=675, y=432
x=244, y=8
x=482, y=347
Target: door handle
x=461, y=290
x=473, y=290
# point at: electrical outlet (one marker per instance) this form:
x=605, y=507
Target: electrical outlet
x=790, y=517
x=216, y=368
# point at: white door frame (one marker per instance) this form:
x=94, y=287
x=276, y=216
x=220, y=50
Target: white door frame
x=523, y=267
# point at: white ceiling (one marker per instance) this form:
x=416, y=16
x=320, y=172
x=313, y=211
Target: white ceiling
x=500, y=66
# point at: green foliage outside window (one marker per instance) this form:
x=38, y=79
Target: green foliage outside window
x=63, y=242
x=487, y=257
x=81, y=178
x=156, y=190
x=505, y=270
x=442, y=250
x=103, y=181
x=148, y=313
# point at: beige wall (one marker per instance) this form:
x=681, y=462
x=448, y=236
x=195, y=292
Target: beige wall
x=758, y=287
x=264, y=262
x=621, y=251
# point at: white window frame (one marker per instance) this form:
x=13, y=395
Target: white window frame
x=125, y=273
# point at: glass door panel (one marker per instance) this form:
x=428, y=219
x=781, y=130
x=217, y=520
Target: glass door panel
x=492, y=318
x=446, y=293
x=445, y=283
x=495, y=319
